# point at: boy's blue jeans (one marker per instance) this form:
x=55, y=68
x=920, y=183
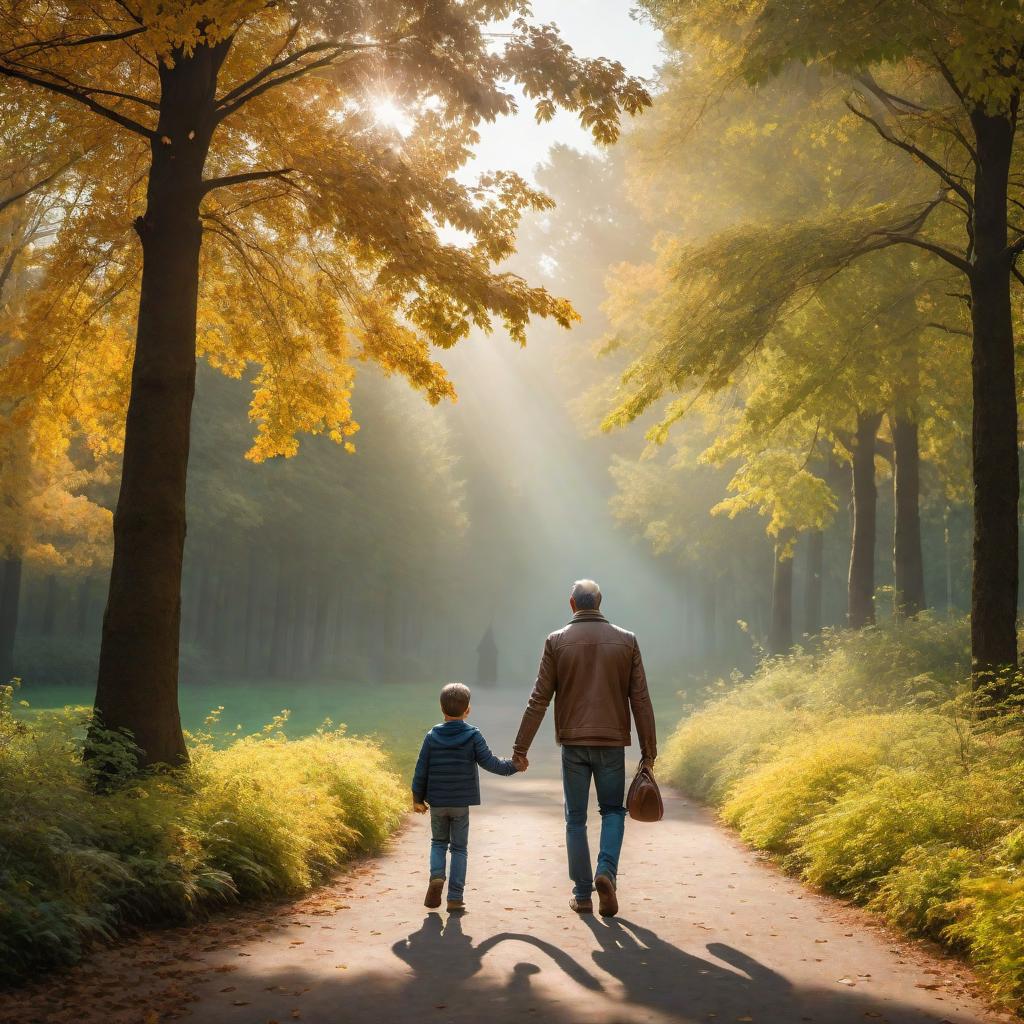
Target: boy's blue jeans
x=607, y=767
x=449, y=830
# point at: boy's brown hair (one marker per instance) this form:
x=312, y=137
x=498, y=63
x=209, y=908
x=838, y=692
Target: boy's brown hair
x=455, y=699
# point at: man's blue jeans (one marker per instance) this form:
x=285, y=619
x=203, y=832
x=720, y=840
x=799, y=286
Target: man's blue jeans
x=607, y=767
x=449, y=829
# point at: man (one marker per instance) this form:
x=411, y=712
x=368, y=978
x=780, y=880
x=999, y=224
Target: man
x=594, y=671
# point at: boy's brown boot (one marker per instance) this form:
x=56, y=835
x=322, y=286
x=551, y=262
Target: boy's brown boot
x=434, y=890
x=607, y=901
x=581, y=906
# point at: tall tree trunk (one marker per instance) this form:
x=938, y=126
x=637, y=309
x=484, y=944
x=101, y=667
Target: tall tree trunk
x=908, y=562
x=994, y=435
x=339, y=647
x=203, y=626
x=299, y=661
x=137, y=687
x=709, y=616
x=48, y=621
x=83, y=605
x=222, y=621
x=321, y=616
x=250, y=639
x=780, y=631
x=280, y=632
x=949, y=562
x=10, y=596
x=812, y=585
x=861, y=591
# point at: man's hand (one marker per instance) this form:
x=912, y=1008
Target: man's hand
x=648, y=764
x=520, y=761
x=419, y=807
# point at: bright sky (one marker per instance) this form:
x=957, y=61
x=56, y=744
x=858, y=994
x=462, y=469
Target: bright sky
x=594, y=28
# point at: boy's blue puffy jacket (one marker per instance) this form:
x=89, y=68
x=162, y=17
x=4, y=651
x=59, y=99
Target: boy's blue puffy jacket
x=446, y=773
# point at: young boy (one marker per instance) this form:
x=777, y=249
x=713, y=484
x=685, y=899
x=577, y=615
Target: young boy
x=447, y=778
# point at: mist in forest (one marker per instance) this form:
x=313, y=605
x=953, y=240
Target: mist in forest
x=537, y=500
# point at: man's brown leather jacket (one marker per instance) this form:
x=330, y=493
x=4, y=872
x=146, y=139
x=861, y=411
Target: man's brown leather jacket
x=594, y=671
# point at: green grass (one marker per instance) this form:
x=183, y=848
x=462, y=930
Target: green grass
x=252, y=816
x=864, y=768
x=396, y=715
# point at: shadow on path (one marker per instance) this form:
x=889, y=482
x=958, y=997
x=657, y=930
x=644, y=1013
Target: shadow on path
x=443, y=950
x=732, y=986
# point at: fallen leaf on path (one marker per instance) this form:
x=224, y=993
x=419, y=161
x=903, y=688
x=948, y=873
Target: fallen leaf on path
x=846, y=981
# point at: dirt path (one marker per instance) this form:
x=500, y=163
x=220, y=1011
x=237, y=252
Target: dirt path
x=707, y=932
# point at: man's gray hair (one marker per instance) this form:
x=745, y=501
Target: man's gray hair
x=586, y=595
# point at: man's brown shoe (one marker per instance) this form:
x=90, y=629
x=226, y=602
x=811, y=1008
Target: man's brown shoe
x=608, y=902
x=454, y=906
x=434, y=891
x=581, y=906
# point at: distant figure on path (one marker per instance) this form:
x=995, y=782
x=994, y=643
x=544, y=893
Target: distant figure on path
x=594, y=672
x=487, y=659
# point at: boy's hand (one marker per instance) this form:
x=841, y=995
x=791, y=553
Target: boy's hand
x=520, y=761
x=419, y=807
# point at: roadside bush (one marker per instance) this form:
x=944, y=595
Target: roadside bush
x=918, y=893
x=265, y=815
x=853, y=845
x=715, y=750
x=864, y=767
x=806, y=775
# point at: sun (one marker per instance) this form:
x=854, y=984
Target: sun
x=388, y=113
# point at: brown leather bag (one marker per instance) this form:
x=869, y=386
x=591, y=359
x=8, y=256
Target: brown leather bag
x=644, y=801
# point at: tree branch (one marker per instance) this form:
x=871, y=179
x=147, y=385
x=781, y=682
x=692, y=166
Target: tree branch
x=949, y=330
x=10, y=200
x=267, y=78
x=261, y=82
x=1015, y=248
x=890, y=100
x=906, y=234
x=65, y=42
x=79, y=97
x=89, y=90
x=908, y=147
x=280, y=173
x=951, y=81
x=275, y=66
x=897, y=238
x=273, y=83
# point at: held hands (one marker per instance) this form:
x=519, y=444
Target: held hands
x=520, y=761
x=419, y=807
